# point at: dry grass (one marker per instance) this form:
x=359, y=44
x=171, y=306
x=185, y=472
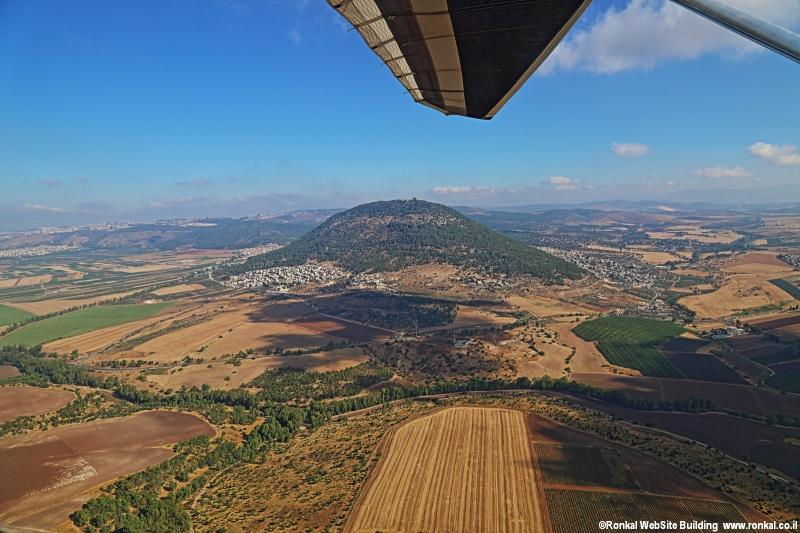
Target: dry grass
x=737, y=293
x=460, y=469
x=756, y=263
x=178, y=289
x=543, y=306
x=24, y=282
x=215, y=374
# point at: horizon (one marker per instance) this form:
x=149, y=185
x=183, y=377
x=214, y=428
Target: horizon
x=225, y=110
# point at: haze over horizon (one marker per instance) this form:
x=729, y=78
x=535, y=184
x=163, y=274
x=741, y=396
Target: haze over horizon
x=238, y=107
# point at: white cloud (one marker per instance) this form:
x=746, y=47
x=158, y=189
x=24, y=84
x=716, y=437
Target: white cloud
x=786, y=155
x=670, y=183
x=463, y=190
x=563, y=183
x=295, y=36
x=645, y=33
x=39, y=208
x=630, y=150
x=49, y=182
x=722, y=172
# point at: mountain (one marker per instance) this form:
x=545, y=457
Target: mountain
x=387, y=236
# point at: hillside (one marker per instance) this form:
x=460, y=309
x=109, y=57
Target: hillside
x=387, y=236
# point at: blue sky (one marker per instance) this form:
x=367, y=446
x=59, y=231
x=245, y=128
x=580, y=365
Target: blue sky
x=160, y=108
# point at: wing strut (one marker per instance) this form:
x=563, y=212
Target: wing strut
x=776, y=38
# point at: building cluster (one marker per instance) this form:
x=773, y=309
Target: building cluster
x=35, y=251
x=791, y=258
x=366, y=280
x=281, y=279
x=726, y=332
x=484, y=283
x=620, y=268
x=244, y=253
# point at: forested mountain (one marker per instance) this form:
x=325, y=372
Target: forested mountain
x=387, y=236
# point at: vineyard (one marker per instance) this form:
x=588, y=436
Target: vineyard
x=583, y=465
x=646, y=359
x=580, y=511
x=631, y=343
x=460, y=469
x=628, y=330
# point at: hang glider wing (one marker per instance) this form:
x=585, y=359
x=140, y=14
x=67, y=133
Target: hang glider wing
x=462, y=57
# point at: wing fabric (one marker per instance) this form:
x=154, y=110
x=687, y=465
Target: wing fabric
x=462, y=57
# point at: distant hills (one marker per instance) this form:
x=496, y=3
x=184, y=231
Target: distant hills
x=388, y=236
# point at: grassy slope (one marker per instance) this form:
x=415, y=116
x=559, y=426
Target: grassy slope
x=79, y=322
x=11, y=315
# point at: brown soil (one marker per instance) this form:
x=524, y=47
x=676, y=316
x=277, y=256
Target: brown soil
x=53, y=470
x=29, y=401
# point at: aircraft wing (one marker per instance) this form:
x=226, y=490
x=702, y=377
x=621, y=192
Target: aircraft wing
x=462, y=57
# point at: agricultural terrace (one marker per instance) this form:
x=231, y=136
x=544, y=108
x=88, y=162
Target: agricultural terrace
x=631, y=343
x=460, y=469
x=80, y=321
x=11, y=315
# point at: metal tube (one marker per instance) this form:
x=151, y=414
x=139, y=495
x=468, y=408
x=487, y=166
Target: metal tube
x=765, y=33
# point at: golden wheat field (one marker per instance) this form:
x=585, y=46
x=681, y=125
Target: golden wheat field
x=464, y=469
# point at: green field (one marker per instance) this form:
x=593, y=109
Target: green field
x=11, y=315
x=646, y=331
x=631, y=342
x=646, y=359
x=787, y=286
x=80, y=321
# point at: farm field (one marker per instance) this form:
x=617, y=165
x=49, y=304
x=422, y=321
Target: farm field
x=179, y=289
x=80, y=321
x=788, y=287
x=629, y=330
x=543, y=306
x=12, y=315
x=738, y=293
x=786, y=377
x=756, y=263
x=577, y=511
x=762, y=443
x=631, y=343
x=481, y=456
x=646, y=359
x=773, y=322
x=737, y=398
x=221, y=375
x=54, y=469
x=565, y=464
x=29, y=401
x=24, y=282
x=8, y=371
x=343, y=329
x=703, y=367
